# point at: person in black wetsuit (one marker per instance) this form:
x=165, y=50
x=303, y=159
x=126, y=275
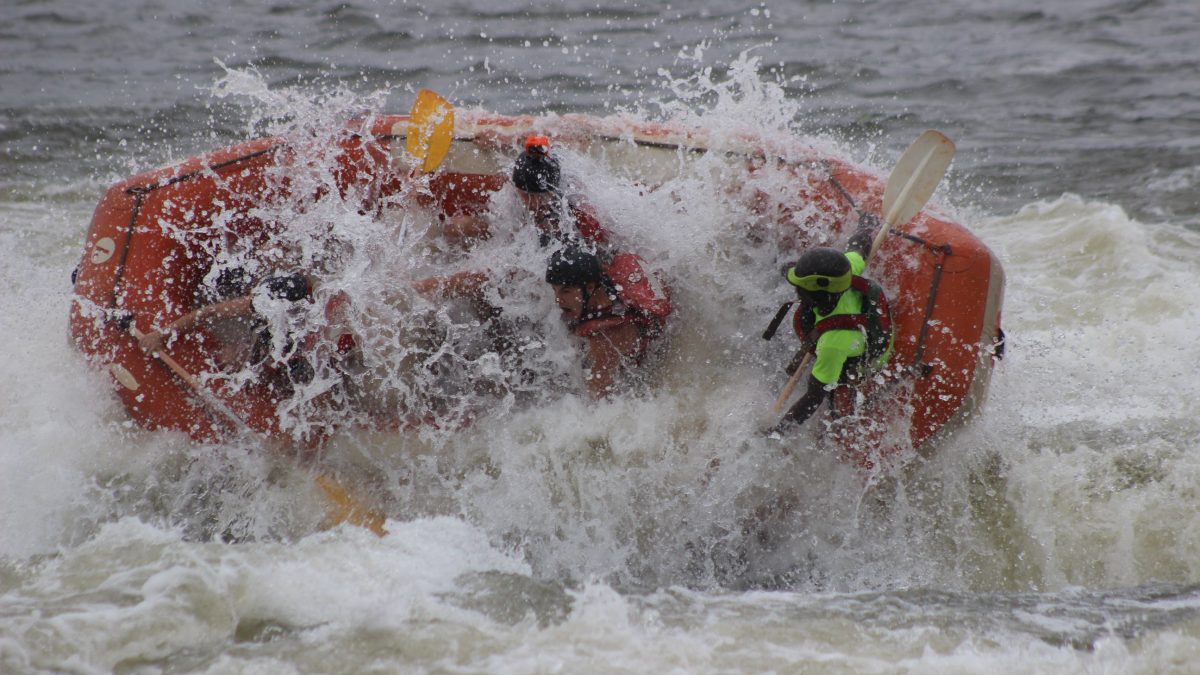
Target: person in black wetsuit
x=536, y=175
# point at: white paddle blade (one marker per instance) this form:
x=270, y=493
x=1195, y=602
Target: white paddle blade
x=916, y=176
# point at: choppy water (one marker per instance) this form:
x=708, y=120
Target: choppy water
x=1057, y=533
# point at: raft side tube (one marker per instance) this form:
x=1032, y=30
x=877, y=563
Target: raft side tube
x=144, y=256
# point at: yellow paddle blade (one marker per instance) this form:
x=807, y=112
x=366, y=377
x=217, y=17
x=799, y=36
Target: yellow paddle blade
x=430, y=129
x=344, y=507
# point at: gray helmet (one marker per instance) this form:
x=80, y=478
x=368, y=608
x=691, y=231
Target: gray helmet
x=574, y=266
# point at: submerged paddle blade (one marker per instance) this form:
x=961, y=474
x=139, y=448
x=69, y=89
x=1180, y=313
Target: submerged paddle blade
x=916, y=176
x=344, y=507
x=430, y=129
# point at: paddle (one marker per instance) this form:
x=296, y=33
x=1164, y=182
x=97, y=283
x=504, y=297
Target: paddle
x=909, y=186
x=346, y=507
x=430, y=129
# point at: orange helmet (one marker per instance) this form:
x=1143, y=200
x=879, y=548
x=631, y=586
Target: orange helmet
x=535, y=170
x=538, y=145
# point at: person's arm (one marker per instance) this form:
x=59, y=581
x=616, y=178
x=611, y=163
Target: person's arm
x=813, y=396
x=586, y=220
x=465, y=229
x=828, y=365
x=860, y=242
x=606, y=352
x=469, y=285
x=153, y=340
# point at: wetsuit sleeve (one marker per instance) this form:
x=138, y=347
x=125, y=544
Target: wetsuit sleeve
x=291, y=287
x=864, y=237
x=813, y=396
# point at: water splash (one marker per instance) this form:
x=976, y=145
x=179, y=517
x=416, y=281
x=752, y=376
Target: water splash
x=627, y=490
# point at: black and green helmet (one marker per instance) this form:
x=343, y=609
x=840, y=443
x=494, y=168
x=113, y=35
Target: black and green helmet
x=821, y=269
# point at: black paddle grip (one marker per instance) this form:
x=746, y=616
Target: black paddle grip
x=779, y=316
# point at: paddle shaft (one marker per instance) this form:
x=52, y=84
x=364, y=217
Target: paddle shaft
x=346, y=508
x=205, y=395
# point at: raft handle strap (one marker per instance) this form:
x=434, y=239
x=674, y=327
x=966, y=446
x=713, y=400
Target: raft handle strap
x=837, y=185
x=944, y=251
x=138, y=194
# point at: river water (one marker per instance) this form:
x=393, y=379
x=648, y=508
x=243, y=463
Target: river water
x=1058, y=532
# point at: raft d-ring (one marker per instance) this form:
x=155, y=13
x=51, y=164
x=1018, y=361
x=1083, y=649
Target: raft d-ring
x=102, y=250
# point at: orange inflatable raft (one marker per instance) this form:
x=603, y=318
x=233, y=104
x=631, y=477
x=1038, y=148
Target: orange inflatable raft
x=152, y=238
